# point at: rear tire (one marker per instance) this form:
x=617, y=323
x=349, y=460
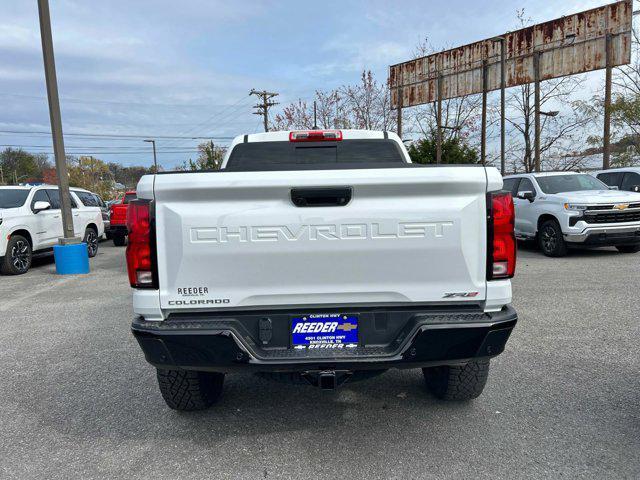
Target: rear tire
x=91, y=239
x=550, y=239
x=628, y=248
x=18, y=257
x=457, y=383
x=119, y=240
x=187, y=390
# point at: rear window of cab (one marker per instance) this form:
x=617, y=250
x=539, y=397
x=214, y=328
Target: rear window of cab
x=272, y=155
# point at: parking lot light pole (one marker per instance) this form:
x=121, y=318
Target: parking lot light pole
x=538, y=127
x=71, y=255
x=56, y=123
x=155, y=160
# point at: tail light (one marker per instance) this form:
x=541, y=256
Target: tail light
x=501, y=247
x=316, y=136
x=141, y=263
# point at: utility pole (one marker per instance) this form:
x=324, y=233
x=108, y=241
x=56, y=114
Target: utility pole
x=56, y=124
x=263, y=108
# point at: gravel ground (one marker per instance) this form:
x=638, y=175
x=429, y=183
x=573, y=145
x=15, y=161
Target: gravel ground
x=79, y=401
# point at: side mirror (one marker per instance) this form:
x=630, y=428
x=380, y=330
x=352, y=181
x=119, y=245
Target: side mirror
x=527, y=196
x=615, y=187
x=39, y=206
x=636, y=188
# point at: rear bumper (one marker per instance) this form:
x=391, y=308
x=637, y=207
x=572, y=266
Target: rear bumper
x=606, y=236
x=118, y=229
x=404, y=339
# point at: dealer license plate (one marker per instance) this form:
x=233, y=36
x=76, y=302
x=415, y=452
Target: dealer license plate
x=324, y=331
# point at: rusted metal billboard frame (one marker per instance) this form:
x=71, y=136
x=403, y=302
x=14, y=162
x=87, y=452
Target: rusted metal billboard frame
x=599, y=38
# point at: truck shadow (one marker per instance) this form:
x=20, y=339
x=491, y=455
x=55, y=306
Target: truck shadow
x=125, y=404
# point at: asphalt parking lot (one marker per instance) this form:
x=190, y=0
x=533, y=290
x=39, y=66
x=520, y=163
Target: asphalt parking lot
x=79, y=401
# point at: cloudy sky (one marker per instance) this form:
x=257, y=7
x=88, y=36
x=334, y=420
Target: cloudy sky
x=184, y=68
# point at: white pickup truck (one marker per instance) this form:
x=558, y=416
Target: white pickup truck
x=321, y=256
x=562, y=210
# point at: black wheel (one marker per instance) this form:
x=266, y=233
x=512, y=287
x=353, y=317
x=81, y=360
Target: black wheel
x=17, y=259
x=628, y=248
x=119, y=240
x=550, y=239
x=189, y=390
x=91, y=239
x=457, y=383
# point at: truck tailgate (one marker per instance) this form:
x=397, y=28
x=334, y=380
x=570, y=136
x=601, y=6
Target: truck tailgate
x=236, y=239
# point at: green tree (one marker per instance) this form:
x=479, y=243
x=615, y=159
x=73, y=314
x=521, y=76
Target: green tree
x=209, y=158
x=454, y=151
x=18, y=166
x=128, y=176
x=91, y=174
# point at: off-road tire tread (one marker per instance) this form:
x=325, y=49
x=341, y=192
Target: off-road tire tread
x=189, y=390
x=457, y=382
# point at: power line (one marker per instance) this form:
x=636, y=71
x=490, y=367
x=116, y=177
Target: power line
x=218, y=116
x=263, y=109
x=111, y=102
x=145, y=152
x=90, y=138
x=118, y=135
x=98, y=147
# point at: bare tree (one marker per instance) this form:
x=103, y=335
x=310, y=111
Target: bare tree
x=296, y=115
x=627, y=78
x=364, y=105
x=368, y=104
x=460, y=116
x=625, y=111
x=560, y=133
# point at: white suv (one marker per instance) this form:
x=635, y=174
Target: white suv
x=30, y=222
x=565, y=209
x=627, y=178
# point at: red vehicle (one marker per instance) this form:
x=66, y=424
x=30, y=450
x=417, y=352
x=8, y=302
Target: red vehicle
x=118, y=230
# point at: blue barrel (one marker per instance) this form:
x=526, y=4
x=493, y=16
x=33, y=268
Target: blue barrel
x=71, y=259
